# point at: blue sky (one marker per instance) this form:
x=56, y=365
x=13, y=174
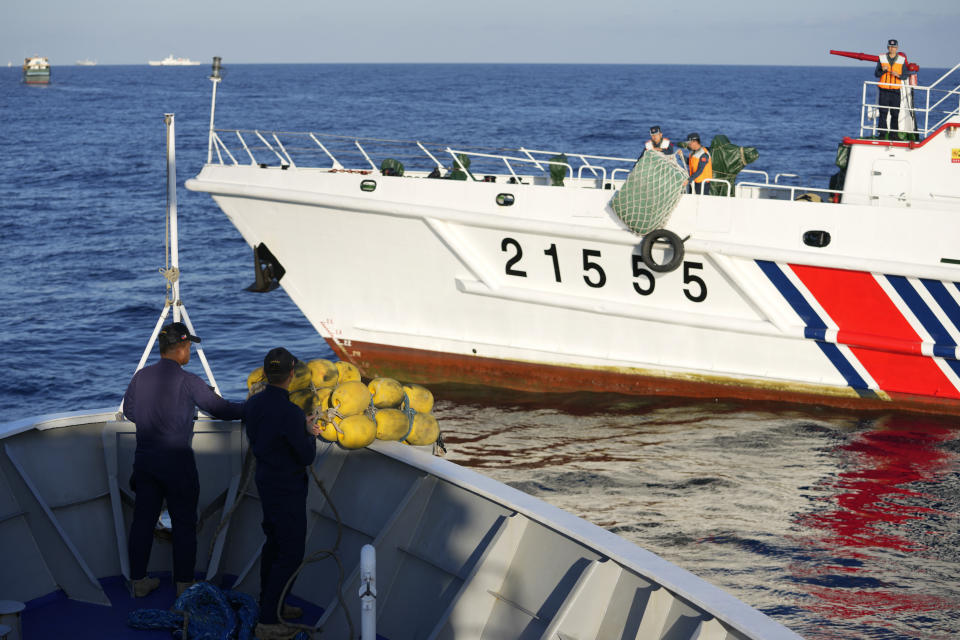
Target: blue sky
x=565, y=31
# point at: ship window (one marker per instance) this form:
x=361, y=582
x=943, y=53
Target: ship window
x=368, y=185
x=505, y=199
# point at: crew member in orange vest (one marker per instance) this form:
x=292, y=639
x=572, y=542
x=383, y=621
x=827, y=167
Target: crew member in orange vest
x=700, y=164
x=890, y=69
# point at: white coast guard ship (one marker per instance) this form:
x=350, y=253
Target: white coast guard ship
x=503, y=279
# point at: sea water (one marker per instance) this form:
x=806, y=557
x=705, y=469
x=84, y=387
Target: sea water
x=838, y=524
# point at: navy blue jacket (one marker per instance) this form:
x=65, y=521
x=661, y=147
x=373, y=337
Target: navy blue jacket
x=278, y=436
x=162, y=399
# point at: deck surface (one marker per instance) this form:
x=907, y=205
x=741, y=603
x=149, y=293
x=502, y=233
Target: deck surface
x=57, y=616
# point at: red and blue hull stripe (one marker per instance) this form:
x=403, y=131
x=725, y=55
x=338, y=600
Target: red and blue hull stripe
x=883, y=333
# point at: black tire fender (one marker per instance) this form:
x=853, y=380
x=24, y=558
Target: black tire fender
x=661, y=235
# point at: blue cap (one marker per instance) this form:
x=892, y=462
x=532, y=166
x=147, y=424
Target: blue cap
x=654, y=130
x=693, y=136
x=892, y=43
x=279, y=361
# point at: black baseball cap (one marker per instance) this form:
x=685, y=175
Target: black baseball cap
x=279, y=360
x=654, y=130
x=693, y=136
x=892, y=43
x=173, y=334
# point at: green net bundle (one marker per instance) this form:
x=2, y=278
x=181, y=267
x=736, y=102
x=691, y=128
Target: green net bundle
x=728, y=160
x=650, y=193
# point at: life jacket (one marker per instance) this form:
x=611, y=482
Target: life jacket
x=888, y=80
x=663, y=146
x=698, y=156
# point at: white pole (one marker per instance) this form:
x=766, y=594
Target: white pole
x=172, y=210
x=368, y=593
x=215, y=79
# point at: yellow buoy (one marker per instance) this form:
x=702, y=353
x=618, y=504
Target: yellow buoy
x=421, y=400
x=323, y=398
x=347, y=371
x=357, y=431
x=306, y=399
x=425, y=430
x=301, y=377
x=392, y=424
x=387, y=392
x=328, y=431
x=256, y=381
x=350, y=398
x=324, y=373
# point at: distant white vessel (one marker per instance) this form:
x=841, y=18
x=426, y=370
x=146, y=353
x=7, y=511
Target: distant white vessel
x=36, y=70
x=86, y=62
x=170, y=61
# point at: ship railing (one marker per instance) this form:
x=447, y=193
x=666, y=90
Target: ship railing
x=766, y=176
x=719, y=181
x=290, y=149
x=776, y=191
x=932, y=106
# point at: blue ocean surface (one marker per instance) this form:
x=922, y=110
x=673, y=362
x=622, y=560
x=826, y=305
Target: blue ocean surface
x=837, y=524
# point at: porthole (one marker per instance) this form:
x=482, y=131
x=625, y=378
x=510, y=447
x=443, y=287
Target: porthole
x=816, y=238
x=505, y=199
x=368, y=185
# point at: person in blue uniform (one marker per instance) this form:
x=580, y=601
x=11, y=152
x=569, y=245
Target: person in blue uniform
x=284, y=444
x=161, y=400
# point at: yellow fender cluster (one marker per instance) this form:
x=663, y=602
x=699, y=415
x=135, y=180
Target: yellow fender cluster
x=354, y=414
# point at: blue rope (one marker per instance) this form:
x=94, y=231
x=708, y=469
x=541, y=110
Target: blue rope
x=212, y=614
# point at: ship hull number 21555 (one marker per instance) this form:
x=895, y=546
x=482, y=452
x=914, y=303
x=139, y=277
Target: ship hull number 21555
x=594, y=275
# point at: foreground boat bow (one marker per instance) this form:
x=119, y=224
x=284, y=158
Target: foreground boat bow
x=458, y=554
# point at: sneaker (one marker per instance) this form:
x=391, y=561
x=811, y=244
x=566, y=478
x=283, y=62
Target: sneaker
x=144, y=586
x=277, y=631
x=183, y=586
x=290, y=611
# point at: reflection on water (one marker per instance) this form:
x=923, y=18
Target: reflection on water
x=837, y=525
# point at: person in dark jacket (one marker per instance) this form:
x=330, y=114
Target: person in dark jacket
x=161, y=400
x=284, y=443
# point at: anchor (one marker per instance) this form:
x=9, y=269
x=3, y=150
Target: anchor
x=267, y=270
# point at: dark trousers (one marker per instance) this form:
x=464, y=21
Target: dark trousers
x=699, y=187
x=285, y=526
x=175, y=480
x=889, y=104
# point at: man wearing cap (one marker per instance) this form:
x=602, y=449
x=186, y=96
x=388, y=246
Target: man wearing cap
x=890, y=70
x=284, y=443
x=161, y=400
x=700, y=165
x=657, y=143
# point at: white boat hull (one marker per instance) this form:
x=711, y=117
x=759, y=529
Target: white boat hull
x=432, y=280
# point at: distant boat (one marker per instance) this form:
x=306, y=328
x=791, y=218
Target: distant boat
x=170, y=61
x=86, y=63
x=36, y=70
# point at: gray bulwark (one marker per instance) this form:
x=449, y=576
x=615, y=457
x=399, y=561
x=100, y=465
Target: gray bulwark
x=458, y=554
